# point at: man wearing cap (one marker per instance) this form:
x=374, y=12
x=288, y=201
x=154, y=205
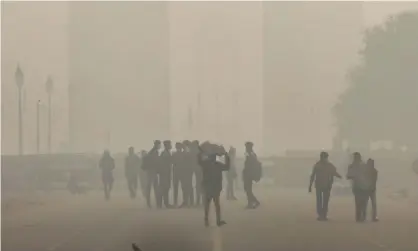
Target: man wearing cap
x=249, y=174
x=150, y=165
x=323, y=174
x=212, y=177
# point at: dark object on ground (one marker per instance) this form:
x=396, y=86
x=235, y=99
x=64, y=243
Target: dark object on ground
x=135, y=247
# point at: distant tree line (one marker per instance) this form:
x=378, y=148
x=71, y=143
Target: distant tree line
x=381, y=101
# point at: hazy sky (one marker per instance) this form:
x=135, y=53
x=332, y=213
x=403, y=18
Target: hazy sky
x=34, y=34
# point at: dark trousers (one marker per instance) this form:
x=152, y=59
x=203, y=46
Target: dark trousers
x=132, y=186
x=187, y=189
x=177, y=181
x=230, y=188
x=248, y=188
x=198, y=186
x=164, y=189
x=322, y=200
x=107, y=180
x=188, y=185
x=152, y=182
x=372, y=198
x=216, y=200
x=360, y=197
x=143, y=183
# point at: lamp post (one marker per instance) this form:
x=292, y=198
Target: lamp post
x=38, y=138
x=20, y=78
x=49, y=89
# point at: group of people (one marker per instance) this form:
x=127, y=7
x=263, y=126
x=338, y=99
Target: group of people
x=363, y=178
x=206, y=163
x=161, y=171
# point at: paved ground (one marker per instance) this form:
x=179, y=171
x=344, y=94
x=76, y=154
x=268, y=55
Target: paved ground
x=284, y=222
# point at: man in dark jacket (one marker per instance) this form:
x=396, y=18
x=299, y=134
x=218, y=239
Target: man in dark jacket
x=323, y=174
x=164, y=175
x=190, y=160
x=179, y=174
x=151, y=164
x=360, y=185
x=132, y=166
x=212, y=177
x=107, y=164
x=248, y=175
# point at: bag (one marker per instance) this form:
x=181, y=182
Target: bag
x=258, y=171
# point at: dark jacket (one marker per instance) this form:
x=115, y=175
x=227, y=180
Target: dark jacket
x=372, y=174
x=179, y=163
x=251, y=160
x=323, y=174
x=166, y=163
x=107, y=164
x=212, y=174
x=151, y=161
x=357, y=172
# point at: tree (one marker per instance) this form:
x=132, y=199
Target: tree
x=381, y=102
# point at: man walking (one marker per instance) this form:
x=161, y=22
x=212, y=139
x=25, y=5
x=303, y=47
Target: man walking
x=107, y=164
x=251, y=172
x=360, y=185
x=323, y=174
x=212, y=178
x=150, y=165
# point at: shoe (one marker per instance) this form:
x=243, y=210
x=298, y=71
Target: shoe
x=221, y=223
x=257, y=204
x=375, y=220
x=206, y=223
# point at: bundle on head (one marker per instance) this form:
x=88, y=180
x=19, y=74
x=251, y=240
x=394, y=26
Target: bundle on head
x=212, y=149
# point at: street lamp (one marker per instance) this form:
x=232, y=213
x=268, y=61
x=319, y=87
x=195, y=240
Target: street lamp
x=20, y=78
x=38, y=139
x=49, y=89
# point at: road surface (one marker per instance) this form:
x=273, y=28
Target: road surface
x=285, y=221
